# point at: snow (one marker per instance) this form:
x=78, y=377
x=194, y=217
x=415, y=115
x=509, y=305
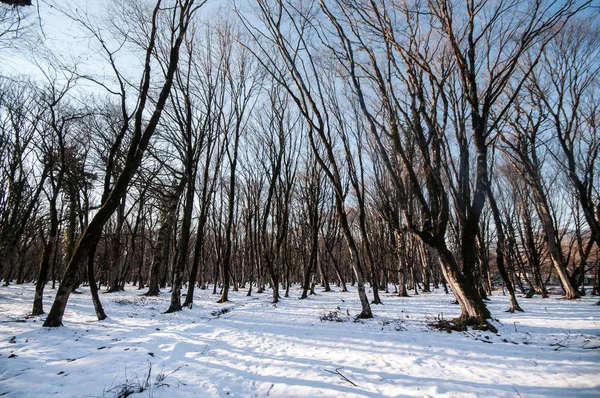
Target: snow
x=250, y=348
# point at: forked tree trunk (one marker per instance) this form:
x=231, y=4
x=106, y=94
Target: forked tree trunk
x=142, y=132
x=182, y=256
x=231, y=198
x=472, y=306
x=205, y=200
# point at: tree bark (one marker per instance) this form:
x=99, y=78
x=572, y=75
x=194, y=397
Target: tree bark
x=182, y=256
x=500, y=254
x=139, y=143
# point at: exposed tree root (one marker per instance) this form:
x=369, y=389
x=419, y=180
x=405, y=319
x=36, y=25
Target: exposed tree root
x=515, y=308
x=364, y=315
x=461, y=325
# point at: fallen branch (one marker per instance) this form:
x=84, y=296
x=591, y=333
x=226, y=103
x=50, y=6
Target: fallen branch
x=270, y=388
x=13, y=320
x=343, y=377
x=562, y=343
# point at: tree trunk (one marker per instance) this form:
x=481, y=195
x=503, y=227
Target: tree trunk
x=553, y=243
x=162, y=241
x=182, y=256
x=472, y=307
x=338, y=272
x=355, y=260
x=100, y=314
x=198, y=252
x=323, y=271
x=42, y=276
x=49, y=247
x=314, y=247
x=402, y=292
x=500, y=254
x=139, y=142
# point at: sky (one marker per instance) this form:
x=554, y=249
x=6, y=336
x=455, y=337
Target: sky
x=52, y=34
x=44, y=26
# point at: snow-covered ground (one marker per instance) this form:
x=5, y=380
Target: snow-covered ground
x=250, y=348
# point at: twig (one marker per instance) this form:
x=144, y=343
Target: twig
x=558, y=346
x=562, y=343
x=337, y=371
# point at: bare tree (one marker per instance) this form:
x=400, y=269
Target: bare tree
x=284, y=50
x=312, y=197
x=567, y=87
x=208, y=69
x=524, y=244
x=524, y=152
x=332, y=238
x=14, y=22
x=439, y=50
x=142, y=132
x=58, y=157
x=21, y=184
x=276, y=155
x=425, y=119
x=242, y=79
x=170, y=205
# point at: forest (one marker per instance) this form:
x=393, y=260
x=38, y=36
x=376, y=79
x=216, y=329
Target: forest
x=388, y=146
